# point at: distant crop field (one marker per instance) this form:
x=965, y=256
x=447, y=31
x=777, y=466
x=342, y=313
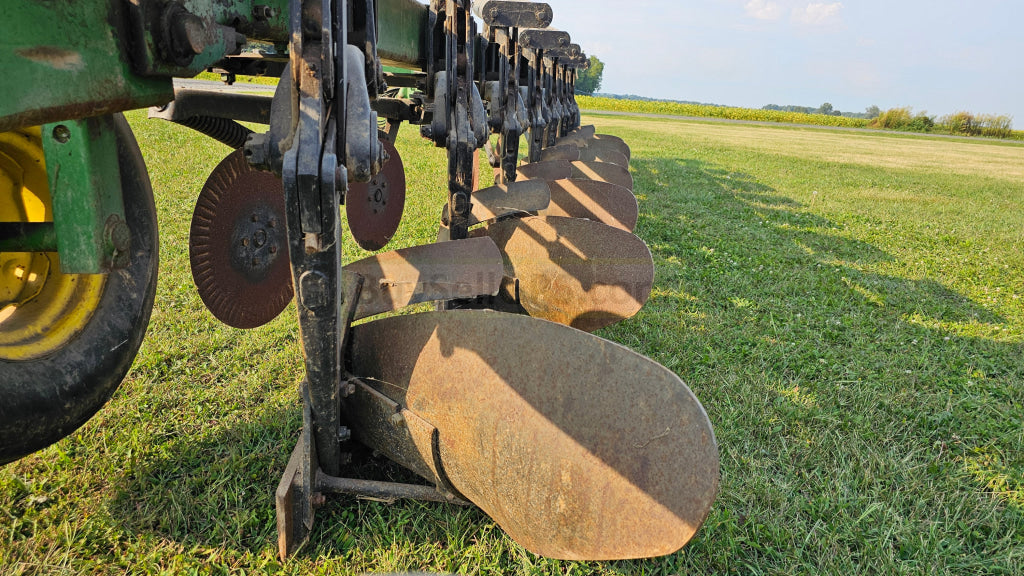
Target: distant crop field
x=702, y=111
x=849, y=308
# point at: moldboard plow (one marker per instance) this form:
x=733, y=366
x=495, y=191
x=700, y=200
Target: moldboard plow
x=576, y=446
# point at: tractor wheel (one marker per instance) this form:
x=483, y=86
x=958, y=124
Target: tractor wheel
x=66, y=340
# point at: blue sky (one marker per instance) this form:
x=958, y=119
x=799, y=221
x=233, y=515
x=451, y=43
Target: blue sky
x=937, y=56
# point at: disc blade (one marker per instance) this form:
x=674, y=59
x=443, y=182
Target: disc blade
x=599, y=201
x=575, y=272
x=577, y=447
x=375, y=208
x=521, y=198
x=564, y=152
x=238, y=246
x=603, y=172
x=551, y=170
x=441, y=271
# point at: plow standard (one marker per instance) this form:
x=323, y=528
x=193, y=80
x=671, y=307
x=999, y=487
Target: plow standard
x=576, y=446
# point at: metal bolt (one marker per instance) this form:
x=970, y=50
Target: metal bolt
x=347, y=389
x=273, y=249
x=317, y=499
x=344, y=434
x=61, y=133
x=245, y=241
x=119, y=235
x=398, y=419
x=272, y=223
x=262, y=12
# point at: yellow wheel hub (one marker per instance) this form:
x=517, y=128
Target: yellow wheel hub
x=40, y=308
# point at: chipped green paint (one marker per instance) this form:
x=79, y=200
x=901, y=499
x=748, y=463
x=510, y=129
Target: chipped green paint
x=64, y=60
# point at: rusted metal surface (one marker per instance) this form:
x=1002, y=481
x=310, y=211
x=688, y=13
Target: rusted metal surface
x=568, y=152
x=588, y=451
x=604, y=141
x=603, y=172
x=596, y=151
x=293, y=499
x=572, y=271
x=583, y=132
x=516, y=198
x=383, y=491
x=513, y=14
x=552, y=170
x=375, y=208
x=599, y=201
x=442, y=271
x=238, y=247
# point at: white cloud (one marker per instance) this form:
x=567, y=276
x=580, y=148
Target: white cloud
x=818, y=13
x=763, y=10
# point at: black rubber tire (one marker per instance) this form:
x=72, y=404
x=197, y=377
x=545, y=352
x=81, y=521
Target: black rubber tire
x=45, y=399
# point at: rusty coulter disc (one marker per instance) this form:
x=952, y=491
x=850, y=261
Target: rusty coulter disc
x=577, y=447
x=576, y=272
x=375, y=208
x=238, y=245
x=599, y=201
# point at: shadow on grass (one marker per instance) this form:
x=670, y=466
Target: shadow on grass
x=216, y=491
x=813, y=364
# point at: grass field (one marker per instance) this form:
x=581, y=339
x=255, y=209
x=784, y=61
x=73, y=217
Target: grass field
x=848, y=307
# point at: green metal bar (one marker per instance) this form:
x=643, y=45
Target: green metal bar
x=402, y=32
x=67, y=60
x=85, y=187
x=28, y=237
x=265, y=20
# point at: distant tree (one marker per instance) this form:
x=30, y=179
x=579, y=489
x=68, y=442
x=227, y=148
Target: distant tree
x=589, y=80
x=872, y=112
x=825, y=108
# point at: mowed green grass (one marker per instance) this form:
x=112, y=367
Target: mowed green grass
x=848, y=307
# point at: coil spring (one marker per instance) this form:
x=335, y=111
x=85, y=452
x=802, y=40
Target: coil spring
x=223, y=130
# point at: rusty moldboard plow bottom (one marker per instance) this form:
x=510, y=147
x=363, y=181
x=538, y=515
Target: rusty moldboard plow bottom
x=575, y=455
